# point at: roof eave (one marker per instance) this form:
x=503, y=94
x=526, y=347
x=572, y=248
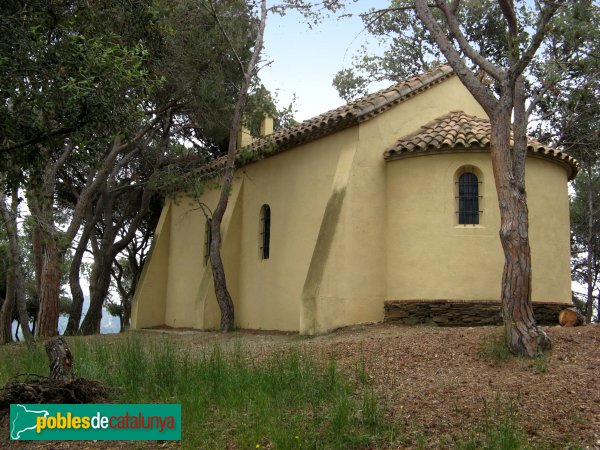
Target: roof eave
x=569, y=163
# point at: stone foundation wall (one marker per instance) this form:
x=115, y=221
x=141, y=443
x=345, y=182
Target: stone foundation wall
x=453, y=313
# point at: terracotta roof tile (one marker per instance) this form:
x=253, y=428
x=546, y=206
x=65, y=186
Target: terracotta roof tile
x=460, y=130
x=334, y=120
x=350, y=114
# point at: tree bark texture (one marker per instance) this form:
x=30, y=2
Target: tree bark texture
x=76, y=296
x=508, y=159
x=74, y=276
x=48, y=312
x=6, y=312
x=8, y=306
x=61, y=359
x=15, y=287
x=99, y=285
x=54, y=241
x=37, y=248
x=589, y=306
x=218, y=270
x=522, y=334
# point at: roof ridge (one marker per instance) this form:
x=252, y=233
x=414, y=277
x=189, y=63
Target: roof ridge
x=361, y=109
x=336, y=119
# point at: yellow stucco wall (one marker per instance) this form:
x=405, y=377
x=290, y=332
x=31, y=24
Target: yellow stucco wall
x=267, y=293
x=190, y=295
x=150, y=297
x=349, y=231
x=296, y=186
x=549, y=233
x=353, y=284
x=434, y=257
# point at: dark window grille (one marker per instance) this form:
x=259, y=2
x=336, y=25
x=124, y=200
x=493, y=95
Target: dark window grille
x=207, y=239
x=265, y=231
x=468, y=199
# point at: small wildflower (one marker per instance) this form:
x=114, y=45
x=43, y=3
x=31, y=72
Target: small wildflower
x=257, y=445
x=296, y=437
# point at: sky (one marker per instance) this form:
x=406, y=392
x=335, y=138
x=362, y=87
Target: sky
x=304, y=61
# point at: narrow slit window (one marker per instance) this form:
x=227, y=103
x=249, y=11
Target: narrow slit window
x=265, y=231
x=468, y=199
x=207, y=239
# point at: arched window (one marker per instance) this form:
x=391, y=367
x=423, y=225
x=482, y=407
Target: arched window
x=207, y=239
x=265, y=231
x=468, y=199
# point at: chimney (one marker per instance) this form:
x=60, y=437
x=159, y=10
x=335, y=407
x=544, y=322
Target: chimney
x=266, y=126
x=244, y=137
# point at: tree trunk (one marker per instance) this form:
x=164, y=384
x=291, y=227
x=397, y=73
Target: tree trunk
x=570, y=318
x=77, y=299
x=222, y=293
x=125, y=292
x=8, y=306
x=93, y=317
x=126, y=316
x=6, y=312
x=522, y=334
x=47, y=325
x=15, y=265
x=590, y=246
x=37, y=247
x=99, y=285
x=74, y=278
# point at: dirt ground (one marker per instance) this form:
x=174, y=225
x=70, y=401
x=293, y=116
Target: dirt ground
x=435, y=382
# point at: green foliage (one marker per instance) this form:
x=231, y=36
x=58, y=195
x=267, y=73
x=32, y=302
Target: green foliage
x=65, y=72
x=570, y=71
x=579, y=302
x=408, y=49
x=74, y=74
x=586, y=193
x=201, y=66
x=64, y=305
x=261, y=103
x=114, y=308
x=540, y=363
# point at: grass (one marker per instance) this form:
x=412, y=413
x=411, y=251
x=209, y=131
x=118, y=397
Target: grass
x=287, y=400
x=495, y=349
x=540, y=363
x=284, y=399
x=500, y=429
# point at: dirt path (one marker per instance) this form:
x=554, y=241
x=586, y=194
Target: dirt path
x=437, y=382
